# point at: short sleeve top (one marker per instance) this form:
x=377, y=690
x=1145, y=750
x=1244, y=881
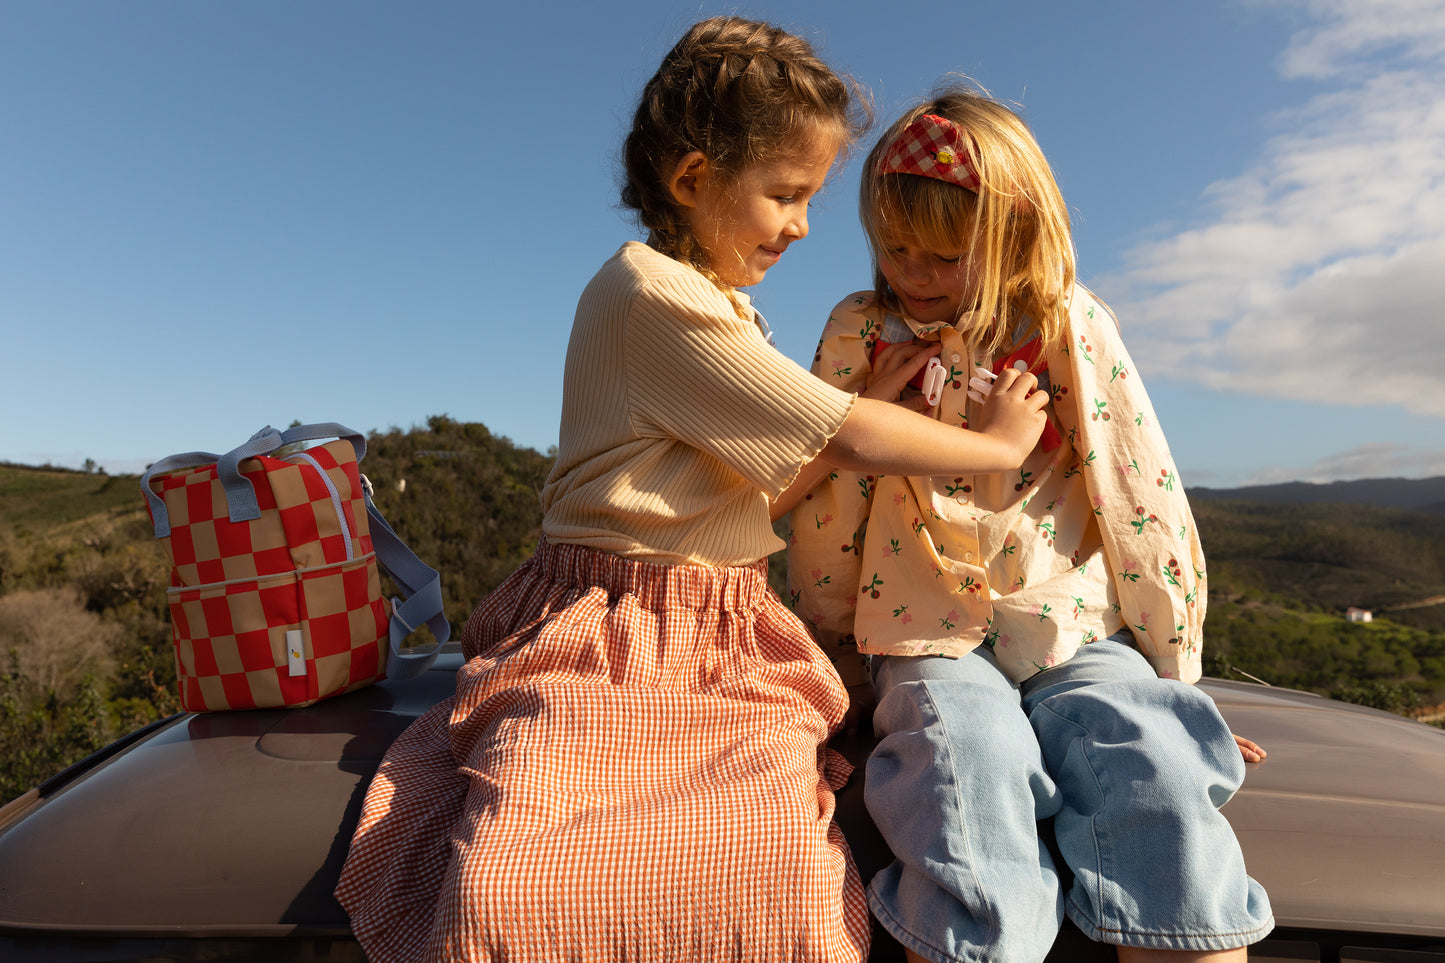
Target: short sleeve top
x=679, y=420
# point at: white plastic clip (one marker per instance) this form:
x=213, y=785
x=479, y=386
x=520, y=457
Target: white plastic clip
x=934, y=377
x=978, y=387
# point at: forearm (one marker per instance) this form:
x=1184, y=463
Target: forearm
x=882, y=437
x=807, y=479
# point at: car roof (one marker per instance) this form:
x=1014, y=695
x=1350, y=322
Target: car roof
x=219, y=823
x=237, y=823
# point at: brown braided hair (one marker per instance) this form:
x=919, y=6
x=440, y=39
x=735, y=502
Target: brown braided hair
x=740, y=92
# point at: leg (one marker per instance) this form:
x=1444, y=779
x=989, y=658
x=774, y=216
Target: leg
x=1136, y=954
x=1143, y=765
x=956, y=786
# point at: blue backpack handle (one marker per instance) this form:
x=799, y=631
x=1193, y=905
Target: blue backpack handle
x=241, y=504
x=160, y=518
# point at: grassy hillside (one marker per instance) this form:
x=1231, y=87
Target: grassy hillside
x=1328, y=557
x=34, y=500
x=85, y=651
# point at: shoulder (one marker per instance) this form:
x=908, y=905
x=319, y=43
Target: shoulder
x=857, y=304
x=648, y=282
x=639, y=267
x=1087, y=309
x=854, y=315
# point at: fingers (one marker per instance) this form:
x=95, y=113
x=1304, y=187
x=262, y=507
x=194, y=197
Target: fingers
x=1014, y=380
x=1021, y=386
x=895, y=367
x=1251, y=751
x=905, y=355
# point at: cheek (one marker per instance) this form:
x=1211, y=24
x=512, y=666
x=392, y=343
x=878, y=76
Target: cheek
x=959, y=281
x=764, y=222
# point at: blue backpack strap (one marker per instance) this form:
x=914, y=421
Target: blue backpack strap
x=422, y=586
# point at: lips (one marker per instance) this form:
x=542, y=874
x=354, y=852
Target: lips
x=921, y=302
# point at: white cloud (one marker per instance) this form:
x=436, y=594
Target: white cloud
x=1347, y=29
x=1319, y=274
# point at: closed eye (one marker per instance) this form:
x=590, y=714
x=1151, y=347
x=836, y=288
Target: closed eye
x=901, y=251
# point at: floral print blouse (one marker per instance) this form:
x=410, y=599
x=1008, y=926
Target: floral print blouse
x=1092, y=534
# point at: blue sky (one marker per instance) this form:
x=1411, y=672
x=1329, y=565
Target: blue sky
x=216, y=216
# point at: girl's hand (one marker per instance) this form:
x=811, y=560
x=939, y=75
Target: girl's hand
x=1251, y=751
x=894, y=368
x=1014, y=412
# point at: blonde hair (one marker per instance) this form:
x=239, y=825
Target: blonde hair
x=740, y=92
x=1015, y=226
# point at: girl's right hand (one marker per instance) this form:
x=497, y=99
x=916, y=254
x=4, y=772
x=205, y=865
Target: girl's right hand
x=894, y=367
x=1014, y=412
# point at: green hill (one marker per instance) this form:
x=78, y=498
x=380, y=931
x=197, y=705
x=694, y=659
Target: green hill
x=1330, y=557
x=1283, y=577
x=87, y=651
x=34, y=500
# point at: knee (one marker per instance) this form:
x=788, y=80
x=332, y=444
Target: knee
x=962, y=739
x=1160, y=730
x=954, y=720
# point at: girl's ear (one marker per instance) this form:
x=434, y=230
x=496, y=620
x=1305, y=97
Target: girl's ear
x=689, y=175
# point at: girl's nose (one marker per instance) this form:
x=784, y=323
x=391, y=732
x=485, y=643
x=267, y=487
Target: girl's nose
x=797, y=226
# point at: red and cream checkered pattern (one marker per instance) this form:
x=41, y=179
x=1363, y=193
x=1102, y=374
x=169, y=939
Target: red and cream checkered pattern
x=932, y=146
x=305, y=568
x=632, y=768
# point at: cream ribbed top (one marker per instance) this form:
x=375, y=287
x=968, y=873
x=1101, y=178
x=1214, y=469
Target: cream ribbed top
x=679, y=421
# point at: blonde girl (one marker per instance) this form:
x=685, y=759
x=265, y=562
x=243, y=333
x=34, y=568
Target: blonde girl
x=632, y=766
x=1032, y=633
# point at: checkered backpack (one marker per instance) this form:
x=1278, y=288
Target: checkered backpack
x=275, y=597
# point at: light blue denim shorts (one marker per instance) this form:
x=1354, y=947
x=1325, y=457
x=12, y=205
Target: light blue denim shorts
x=1131, y=769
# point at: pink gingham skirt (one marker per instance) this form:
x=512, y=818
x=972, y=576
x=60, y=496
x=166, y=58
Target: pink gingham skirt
x=632, y=768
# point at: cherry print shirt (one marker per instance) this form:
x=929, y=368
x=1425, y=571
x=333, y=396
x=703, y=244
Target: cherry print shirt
x=1092, y=534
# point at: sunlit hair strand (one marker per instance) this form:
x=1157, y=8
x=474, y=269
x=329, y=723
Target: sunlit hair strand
x=1015, y=228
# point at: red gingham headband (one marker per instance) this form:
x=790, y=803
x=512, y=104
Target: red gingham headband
x=932, y=146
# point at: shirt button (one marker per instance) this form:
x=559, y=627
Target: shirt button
x=968, y=556
x=955, y=358
x=1021, y=365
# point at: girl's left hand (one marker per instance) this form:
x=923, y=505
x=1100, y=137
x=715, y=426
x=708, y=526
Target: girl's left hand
x=1252, y=752
x=894, y=367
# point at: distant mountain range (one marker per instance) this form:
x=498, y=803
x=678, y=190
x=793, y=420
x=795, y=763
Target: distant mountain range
x=1414, y=494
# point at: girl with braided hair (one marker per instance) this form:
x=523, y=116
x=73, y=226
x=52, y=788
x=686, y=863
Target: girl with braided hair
x=633, y=764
